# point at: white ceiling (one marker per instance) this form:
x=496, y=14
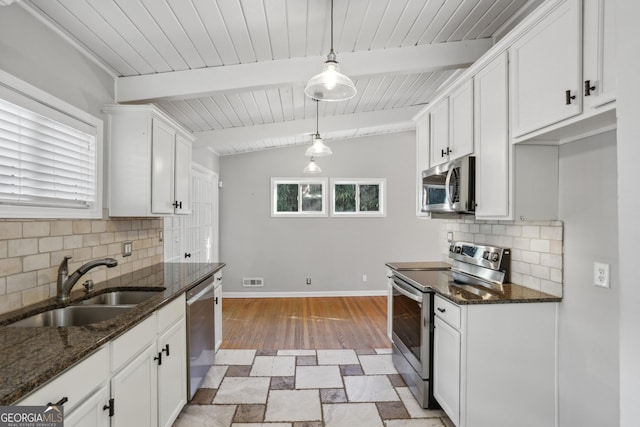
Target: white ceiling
x=233, y=71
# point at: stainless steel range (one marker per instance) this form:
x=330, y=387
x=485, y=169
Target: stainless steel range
x=412, y=309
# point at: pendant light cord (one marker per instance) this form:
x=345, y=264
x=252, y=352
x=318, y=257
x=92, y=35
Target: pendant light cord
x=317, y=118
x=331, y=25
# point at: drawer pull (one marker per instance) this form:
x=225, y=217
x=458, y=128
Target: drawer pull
x=441, y=310
x=59, y=402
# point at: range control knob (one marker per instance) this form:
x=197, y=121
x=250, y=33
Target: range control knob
x=494, y=256
x=451, y=248
x=485, y=255
x=458, y=249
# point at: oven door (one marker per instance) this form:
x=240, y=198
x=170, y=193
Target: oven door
x=411, y=325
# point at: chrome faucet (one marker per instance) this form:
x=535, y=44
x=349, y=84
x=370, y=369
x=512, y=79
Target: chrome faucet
x=66, y=282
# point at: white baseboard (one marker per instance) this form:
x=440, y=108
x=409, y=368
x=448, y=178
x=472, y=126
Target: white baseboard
x=376, y=293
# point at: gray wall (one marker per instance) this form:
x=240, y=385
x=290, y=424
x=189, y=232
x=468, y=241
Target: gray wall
x=588, y=317
x=32, y=52
x=334, y=252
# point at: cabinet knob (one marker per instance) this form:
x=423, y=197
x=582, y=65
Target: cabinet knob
x=568, y=97
x=588, y=88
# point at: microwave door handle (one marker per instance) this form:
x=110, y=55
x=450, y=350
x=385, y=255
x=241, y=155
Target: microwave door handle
x=446, y=186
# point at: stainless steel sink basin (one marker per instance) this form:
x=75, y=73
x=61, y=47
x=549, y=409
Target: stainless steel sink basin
x=120, y=298
x=74, y=315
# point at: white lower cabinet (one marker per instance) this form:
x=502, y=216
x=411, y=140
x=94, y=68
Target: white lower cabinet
x=494, y=364
x=217, y=313
x=138, y=379
x=91, y=413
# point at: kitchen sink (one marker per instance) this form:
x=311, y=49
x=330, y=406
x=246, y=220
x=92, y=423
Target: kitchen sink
x=116, y=298
x=74, y=315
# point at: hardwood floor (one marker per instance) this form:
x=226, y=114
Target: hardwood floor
x=305, y=323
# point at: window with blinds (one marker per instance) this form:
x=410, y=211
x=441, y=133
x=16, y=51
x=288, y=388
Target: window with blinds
x=48, y=160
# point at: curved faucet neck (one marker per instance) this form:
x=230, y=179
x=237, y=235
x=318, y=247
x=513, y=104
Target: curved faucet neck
x=65, y=282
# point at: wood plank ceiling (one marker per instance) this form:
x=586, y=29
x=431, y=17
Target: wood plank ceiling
x=233, y=71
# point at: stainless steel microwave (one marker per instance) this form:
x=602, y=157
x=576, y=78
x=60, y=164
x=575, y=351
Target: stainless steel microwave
x=450, y=187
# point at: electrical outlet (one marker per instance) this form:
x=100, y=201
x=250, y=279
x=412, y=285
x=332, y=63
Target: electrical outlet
x=127, y=247
x=449, y=236
x=308, y=280
x=601, y=274
x=364, y=277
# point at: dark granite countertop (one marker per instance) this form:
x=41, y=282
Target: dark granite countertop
x=442, y=284
x=31, y=356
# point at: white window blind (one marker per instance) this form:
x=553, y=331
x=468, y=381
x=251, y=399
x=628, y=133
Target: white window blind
x=44, y=162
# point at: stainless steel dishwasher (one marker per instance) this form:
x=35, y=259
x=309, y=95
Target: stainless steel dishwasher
x=200, y=332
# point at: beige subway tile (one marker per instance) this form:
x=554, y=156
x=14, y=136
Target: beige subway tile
x=61, y=228
x=99, y=274
x=474, y=228
x=10, y=266
x=147, y=224
x=47, y=276
x=499, y=229
x=551, y=233
x=520, y=267
x=98, y=226
x=464, y=228
x=22, y=281
x=4, y=249
x=137, y=244
x=147, y=262
x=132, y=235
x=505, y=241
x=552, y=288
x=91, y=239
x=551, y=260
x=479, y=238
x=113, y=272
x=540, y=245
x=492, y=240
x=555, y=275
x=106, y=238
x=10, y=230
x=540, y=271
x=555, y=247
x=34, y=295
x=144, y=234
x=81, y=226
x=73, y=242
x=531, y=282
x=531, y=257
x=36, y=262
x=514, y=230
x=50, y=244
x=516, y=278
x=136, y=224
x=82, y=254
x=21, y=247
x=10, y=302
x=485, y=229
x=516, y=254
x=137, y=264
x=99, y=251
x=531, y=232
x=556, y=223
x=114, y=249
x=36, y=228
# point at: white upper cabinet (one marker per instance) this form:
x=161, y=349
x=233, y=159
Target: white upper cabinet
x=546, y=70
x=452, y=125
x=599, y=53
x=439, y=129
x=493, y=148
x=461, y=124
x=149, y=162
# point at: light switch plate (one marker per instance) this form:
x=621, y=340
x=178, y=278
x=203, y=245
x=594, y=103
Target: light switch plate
x=601, y=274
x=127, y=247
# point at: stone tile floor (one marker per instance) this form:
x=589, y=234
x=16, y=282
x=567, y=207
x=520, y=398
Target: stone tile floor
x=306, y=388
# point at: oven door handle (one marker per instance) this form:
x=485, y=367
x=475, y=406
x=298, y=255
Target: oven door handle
x=406, y=292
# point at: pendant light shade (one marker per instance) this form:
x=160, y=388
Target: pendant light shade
x=312, y=168
x=318, y=148
x=330, y=84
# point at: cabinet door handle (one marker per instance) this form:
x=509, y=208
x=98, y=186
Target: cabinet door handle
x=166, y=349
x=187, y=255
x=177, y=205
x=442, y=153
x=59, y=402
x=441, y=310
x=568, y=97
x=111, y=407
x=216, y=300
x=449, y=151
x=158, y=358
x=588, y=88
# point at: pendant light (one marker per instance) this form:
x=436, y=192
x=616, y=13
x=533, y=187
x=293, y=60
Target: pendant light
x=330, y=84
x=318, y=148
x=312, y=168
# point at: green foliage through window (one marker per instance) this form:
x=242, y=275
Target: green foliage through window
x=345, y=195
x=358, y=197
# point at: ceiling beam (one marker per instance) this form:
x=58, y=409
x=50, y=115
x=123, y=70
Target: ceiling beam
x=248, y=134
x=296, y=71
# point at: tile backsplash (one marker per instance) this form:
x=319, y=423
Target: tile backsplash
x=31, y=251
x=536, y=248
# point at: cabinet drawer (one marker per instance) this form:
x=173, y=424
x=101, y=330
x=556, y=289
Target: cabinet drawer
x=171, y=313
x=447, y=311
x=76, y=383
x=125, y=347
